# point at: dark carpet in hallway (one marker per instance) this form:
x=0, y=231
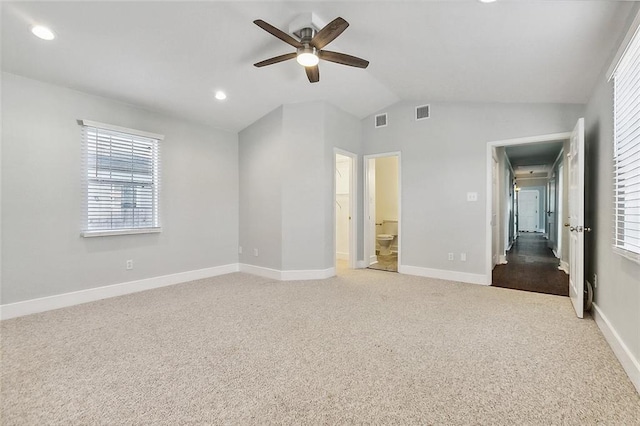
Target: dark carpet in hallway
x=531, y=267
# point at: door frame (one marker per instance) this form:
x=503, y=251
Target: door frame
x=495, y=211
x=560, y=215
x=353, y=206
x=367, y=233
x=491, y=146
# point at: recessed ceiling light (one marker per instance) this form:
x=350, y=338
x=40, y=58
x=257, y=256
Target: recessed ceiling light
x=487, y=1
x=220, y=95
x=43, y=32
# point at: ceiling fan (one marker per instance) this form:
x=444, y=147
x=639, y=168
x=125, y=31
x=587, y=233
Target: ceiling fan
x=309, y=47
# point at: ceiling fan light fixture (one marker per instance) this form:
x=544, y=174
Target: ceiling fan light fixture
x=307, y=57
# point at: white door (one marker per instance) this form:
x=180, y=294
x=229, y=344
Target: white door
x=576, y=218
x=528, y=202
x=343, y=207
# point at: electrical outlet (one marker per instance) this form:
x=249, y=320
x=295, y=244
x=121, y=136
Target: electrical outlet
x=463, y=257
x=129, y=264
x=595, y=281
x=239, y=249
x=255, y=252
x=450, y=256
x=472, y=196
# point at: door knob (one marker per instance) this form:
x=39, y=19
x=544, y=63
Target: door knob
x=587, y=229
x=567, y=224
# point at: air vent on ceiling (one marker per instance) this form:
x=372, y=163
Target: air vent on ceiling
x=422, y=112
x=381, y=120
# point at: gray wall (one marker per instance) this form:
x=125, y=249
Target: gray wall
x=261, y=171
x=342, y=130
x=287, y=185
x=307, y=223
x=443, y=158
x=618, y=291
x=42, y=251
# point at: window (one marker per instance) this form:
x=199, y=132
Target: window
x=121, y=180
x=626, y=153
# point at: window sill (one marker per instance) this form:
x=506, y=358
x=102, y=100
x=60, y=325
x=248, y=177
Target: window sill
x=627, y=254
x=108, y=233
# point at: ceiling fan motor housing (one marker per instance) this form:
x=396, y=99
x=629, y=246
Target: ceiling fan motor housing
x=306, y=21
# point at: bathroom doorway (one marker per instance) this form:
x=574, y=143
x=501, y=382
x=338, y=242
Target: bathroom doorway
x=345, y=209
x=382, y=211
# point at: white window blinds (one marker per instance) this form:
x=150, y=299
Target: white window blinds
x=626, y=159
x=121, y=180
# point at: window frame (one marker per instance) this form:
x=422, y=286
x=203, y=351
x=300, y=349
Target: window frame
x=155, y=171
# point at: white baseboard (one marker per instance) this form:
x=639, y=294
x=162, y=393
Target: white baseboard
x=312, y=274
x=620, y=349
x=442, y=274
x=342, y=256
x=564, y=266
x=261, y=271
x=502, y=260
x=555, y=253
x=27, y=307
x=275, y=274
x=361, y=264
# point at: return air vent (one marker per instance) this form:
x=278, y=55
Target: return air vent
x=381, y=120
x=422, y=112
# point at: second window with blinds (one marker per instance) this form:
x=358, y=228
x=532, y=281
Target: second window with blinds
x=626, y=152
x=121, y=185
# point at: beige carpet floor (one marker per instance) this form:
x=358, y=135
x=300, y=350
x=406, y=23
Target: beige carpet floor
x=364, y=347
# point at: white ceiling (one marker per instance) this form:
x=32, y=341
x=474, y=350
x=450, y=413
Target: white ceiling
x=172, y=56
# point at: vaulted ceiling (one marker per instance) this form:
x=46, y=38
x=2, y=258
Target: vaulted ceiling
x=172, y=56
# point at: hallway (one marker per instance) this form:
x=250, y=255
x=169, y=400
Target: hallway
x=531, y=267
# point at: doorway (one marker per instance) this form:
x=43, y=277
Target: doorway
x=382, y=234
x=344, y=209
x=528, y=167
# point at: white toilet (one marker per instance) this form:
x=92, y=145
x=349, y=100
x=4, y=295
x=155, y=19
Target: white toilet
x=389, y=234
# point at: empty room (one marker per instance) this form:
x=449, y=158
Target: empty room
x=312, y=212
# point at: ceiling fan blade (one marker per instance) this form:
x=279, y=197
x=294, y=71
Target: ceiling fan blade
x=342, y=58
x=313, y=73
x=277, y=33
x=275, y=60
x=329, y=33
